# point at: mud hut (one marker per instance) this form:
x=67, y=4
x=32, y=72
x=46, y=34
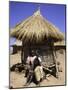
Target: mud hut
x=60, y=45
x=37, y=33
x=16, y=47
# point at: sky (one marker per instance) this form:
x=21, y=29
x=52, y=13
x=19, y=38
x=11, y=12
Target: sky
x=19, y=11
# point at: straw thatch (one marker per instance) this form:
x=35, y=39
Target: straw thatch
x=62, y=43
x=59, y=43
x=36, y=29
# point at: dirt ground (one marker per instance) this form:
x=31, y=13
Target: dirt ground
x=18, y=80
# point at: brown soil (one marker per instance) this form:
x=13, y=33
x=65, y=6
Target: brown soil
x=18, y=80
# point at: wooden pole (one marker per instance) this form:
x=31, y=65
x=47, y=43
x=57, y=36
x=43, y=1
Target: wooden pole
x=52, y=50
x=54, y=59
x=22, y=53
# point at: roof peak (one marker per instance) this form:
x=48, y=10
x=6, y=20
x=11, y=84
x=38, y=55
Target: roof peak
x=37, y=12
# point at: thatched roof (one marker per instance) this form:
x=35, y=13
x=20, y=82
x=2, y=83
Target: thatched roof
x=36, y=29
x=62, y=43
x=59, y=43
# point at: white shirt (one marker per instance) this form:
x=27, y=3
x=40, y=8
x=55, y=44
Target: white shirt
x=32, y=59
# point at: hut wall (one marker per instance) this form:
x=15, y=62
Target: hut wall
x=19, y=48
x=43, y=51
x=60, y=47
x=14, y=49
